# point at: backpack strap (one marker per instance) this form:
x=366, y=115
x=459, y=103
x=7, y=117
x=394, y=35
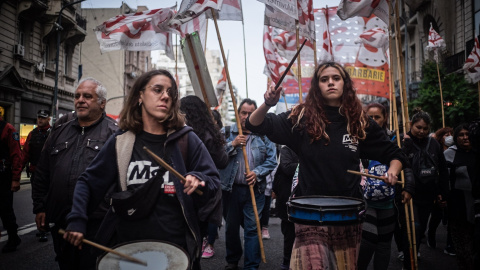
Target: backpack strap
x=124, y=148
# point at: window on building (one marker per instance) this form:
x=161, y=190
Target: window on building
x=146, y=63
x=66, y=60
x=138, y=60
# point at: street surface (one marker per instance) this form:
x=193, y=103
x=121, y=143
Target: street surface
x=32, y=254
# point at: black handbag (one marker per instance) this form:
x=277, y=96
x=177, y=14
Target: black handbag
x=139, y=202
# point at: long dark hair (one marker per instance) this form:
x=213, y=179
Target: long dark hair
x=131, y=114
x=311, y=117
x=198, y=117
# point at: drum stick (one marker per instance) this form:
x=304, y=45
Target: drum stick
x=370, y=175
x=289, y=65
x=104, y=248
x=169, y=168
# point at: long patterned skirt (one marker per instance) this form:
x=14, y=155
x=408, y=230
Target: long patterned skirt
x=326, y=247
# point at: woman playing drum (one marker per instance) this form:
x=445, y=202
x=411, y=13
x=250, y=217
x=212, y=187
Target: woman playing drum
x=330, y=133
x=150, y=118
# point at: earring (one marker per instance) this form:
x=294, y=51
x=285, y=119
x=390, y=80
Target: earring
x=140, y=103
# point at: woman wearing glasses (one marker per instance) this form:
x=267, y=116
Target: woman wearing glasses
x=151, y=118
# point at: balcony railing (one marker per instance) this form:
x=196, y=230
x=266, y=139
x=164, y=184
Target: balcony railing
x=454, y=62
x=81, y=21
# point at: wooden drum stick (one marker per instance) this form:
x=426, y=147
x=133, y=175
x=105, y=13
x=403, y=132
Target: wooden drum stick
x=169, y=168
x=370, y=175
x=104, y=248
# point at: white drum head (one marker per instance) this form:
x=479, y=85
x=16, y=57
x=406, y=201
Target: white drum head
x=158, y=255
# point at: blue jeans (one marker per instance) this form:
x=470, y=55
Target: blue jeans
x=240, y=211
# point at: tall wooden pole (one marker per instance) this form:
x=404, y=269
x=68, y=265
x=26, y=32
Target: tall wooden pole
x=299, y=64
x=441, y=93
x=401, y=67
x=240, y=132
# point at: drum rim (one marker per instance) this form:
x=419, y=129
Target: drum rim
x=291, y=201
x=99, y=258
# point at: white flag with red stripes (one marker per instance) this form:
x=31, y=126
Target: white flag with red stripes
x=198, y=24
x=231, y=11
x=435, y=41
x=141, y=31
x=363, y=8
x=472, y=64
x=375, y=37
x=190, y=9
x=221, y=87
x=276, y=64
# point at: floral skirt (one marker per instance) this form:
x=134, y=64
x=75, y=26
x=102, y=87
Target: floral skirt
x=326, y=247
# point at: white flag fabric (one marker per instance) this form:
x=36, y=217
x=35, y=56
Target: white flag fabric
x=435, y=41
x=275, y=63
x=288, y=7
x=363, y=8
x=375, y=37
x=141, y=31
x=278, y=19
x=472, y=64
x=190, y=9
x=198, y=24
x=221, y=87
x=231, y=11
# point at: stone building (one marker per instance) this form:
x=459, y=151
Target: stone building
x=117, y=70
x=456, y=21
x=28, y=46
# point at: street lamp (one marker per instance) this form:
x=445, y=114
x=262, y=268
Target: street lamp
x=58, y=24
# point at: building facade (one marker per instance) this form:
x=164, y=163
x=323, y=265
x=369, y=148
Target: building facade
x=28, y=47
x=117, y=70
x=456, y=21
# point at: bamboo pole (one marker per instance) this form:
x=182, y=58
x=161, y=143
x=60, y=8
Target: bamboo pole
x=240, y=132
x=441, y=92
x=401, y=66
x=299, y=64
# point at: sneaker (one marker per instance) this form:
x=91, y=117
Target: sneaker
x=208, y=252
x=284, y=267
x=418, y=255
x=400, y=256
x=11, y=244
x=449, y=250
x=265, y=234
x=204, y=244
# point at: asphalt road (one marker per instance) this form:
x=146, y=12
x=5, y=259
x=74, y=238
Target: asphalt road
x=32, y=254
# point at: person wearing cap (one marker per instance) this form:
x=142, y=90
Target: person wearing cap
x=74, y=141
x=10, y=171
x=32, y=149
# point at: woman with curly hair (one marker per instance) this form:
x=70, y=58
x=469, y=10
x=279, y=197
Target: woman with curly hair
x=198, y=117
x=330, y=133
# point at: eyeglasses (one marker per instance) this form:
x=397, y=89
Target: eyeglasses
x=160, y=90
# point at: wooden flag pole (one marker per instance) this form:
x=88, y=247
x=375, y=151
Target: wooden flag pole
x=408, y=214
x=441, y=93
x=401, y=67
x=240, y=132
x=299, y=64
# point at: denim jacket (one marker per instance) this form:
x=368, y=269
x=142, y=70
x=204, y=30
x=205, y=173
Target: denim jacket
x=264, y=160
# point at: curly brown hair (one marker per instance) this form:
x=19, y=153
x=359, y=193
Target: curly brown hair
x=310, y=115
x=131, y=114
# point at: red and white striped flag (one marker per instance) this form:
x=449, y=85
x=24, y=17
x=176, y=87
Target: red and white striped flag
x=231, y=11
x=141, y=31
x=472, y=64
x=435, y=41
x=363, y=8
x=190, y=9
x=221, y=87
x=375, y=37
x=198, y=24
x=275, y=63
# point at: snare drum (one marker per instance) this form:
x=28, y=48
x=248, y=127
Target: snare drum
x=158, y=255
x=325, y=210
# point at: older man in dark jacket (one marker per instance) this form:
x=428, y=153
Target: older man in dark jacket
x=72, y=145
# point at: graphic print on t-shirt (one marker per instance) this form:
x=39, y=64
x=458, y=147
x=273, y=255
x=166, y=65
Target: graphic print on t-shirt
x=350, y=142
x=141, y=170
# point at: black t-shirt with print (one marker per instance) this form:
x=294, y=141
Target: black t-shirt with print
x=166, y=222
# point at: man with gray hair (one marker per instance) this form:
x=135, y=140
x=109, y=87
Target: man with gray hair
x=73, y=143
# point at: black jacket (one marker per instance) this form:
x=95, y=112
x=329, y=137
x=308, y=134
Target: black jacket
x=282, y=183
x=67, y=153
x=425, y=193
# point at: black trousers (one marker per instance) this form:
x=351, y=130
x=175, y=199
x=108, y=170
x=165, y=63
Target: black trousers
x=288, y=231
x=6, y=203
